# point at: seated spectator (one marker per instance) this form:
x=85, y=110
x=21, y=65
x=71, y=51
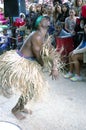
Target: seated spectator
x=50, y=15
x=20, y=21
x=78, y=5
x=70, y=21
x=3, y=20
x=83, y=11
x=70, y=3
x=4, y=41
x=38, y=9
x=79, y=27
x=59, y=31
x=57, y=1
x=79, y=30
x=77, y=55
x=65, y=12
x=57, y=13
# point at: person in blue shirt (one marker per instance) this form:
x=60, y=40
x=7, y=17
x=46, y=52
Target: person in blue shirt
x=77, y=55
x=5, y=41
x=59, y=32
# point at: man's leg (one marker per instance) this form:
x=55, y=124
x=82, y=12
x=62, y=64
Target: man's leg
x=19, y=107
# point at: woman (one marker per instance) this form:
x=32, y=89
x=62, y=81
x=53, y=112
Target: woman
x=70, y=21
x=57, y=12
x=77, y=5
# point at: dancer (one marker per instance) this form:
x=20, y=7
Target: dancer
x=22, y=69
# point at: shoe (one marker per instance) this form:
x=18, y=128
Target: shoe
x=68, y=75
x=76, y=78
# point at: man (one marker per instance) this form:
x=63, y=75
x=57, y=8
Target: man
x=22, y=69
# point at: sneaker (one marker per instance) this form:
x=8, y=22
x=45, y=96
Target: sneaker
x=68, y=75
x=76, y=78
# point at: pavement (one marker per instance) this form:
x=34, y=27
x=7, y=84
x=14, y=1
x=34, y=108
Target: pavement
x=63, y=108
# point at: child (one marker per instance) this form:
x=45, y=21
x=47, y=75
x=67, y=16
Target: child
x=59, y=31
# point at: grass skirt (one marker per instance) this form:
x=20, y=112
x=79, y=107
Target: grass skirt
x=20, y=74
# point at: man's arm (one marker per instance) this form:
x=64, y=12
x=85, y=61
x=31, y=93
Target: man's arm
x=53, y=60
x=36, y=49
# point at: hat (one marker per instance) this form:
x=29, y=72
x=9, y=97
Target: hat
x=38, y=20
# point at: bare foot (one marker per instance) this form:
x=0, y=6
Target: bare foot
x=25, y=110
x=18, y=115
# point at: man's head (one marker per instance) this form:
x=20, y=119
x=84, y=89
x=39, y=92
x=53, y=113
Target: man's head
x=42, y=21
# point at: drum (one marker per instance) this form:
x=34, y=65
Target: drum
x=67, y=43
x=4, y=125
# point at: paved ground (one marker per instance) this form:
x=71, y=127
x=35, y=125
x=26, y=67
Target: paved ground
x=64, y=108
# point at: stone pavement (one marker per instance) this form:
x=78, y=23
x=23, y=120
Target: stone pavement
x=63, y=108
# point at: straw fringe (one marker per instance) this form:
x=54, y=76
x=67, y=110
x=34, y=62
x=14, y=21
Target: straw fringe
x=25, y=75
x=21, y=74
x=49, y=54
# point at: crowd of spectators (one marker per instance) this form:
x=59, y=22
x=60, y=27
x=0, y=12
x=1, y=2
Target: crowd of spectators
x=68, y=13
x=66, y=19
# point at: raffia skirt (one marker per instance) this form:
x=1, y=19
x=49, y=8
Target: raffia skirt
x=20, y=74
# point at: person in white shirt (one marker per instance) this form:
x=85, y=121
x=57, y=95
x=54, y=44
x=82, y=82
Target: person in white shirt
x=77, y=55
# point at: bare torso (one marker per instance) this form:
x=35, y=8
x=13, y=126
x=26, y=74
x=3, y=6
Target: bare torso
x=33, y=45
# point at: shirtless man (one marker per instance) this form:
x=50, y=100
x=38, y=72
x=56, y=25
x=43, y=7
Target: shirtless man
x=31, y=50
x=33, y=44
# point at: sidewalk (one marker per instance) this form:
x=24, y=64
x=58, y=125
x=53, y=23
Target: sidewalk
x=63, y=109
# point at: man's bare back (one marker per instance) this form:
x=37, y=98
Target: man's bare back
x=26, y=47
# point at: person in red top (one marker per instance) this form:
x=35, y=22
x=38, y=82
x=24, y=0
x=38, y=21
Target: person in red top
x=20, y=21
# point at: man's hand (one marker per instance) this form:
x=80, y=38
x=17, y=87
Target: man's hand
x=54, y=74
